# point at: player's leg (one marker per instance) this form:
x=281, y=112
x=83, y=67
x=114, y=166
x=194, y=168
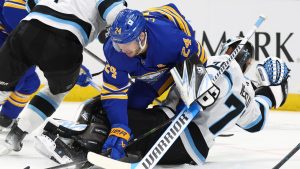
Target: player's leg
x=3, y=36
x=13, y=12
x=12, y=67
x=17, y=100
x=60, y=62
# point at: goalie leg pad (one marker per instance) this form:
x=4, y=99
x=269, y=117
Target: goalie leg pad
x=56, y=149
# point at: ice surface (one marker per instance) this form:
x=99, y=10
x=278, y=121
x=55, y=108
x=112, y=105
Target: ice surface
x=244, y=150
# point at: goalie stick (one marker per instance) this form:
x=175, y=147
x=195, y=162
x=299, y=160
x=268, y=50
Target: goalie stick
x=181, y=121
x=287, y=157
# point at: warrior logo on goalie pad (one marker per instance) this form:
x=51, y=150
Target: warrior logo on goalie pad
x=164, y=143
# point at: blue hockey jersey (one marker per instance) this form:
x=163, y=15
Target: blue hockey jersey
x=171, y=40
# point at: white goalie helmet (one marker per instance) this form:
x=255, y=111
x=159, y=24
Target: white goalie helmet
x=244, y=57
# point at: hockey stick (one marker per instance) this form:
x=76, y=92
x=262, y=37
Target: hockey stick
x=67, y=164
x=178, y=125
x=287, y=157
x=94, y=56
x=96, y=74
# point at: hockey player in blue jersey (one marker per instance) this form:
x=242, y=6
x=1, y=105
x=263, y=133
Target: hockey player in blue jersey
x=144, y=46
x=11, y=13
x=51, y=36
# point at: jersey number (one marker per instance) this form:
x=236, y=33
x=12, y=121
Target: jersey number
x=209, y=97
x=111, y=69
x=238, y=109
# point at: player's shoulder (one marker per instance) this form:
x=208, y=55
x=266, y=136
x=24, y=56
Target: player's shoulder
x=164, y=34
x=118, y=59
x=163, y=11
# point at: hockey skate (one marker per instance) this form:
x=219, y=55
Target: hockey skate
x=5, y=124
x=14, y=138
x=5, y=127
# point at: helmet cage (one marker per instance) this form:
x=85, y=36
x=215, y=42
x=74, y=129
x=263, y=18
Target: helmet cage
x=245, y=54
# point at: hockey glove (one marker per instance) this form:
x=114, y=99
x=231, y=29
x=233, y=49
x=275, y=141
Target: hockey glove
x=272, y=72
x=117, y=141
x=84, y=78
x=273, y=75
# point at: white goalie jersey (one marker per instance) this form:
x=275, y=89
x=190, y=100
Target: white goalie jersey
x=237, y=104
x=84, y=18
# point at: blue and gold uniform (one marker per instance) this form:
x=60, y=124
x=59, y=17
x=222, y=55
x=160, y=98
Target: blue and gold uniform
x=171, y=40
x=11, y=13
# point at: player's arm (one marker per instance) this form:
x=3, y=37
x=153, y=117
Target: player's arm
x=109, y=9
x=188, y=46
x=185, y=41
x=256, y=114
x=114, y=94
x=271, y=93
x=114, y=99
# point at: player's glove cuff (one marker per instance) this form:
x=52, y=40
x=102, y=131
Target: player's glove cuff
x=121, y=131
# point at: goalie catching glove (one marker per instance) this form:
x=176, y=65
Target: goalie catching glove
x=273, y=76
x=117, y=141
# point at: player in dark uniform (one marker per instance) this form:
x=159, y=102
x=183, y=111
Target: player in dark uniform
x=11, y=13
x=51, y=36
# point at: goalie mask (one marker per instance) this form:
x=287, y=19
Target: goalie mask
x=244, y=57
